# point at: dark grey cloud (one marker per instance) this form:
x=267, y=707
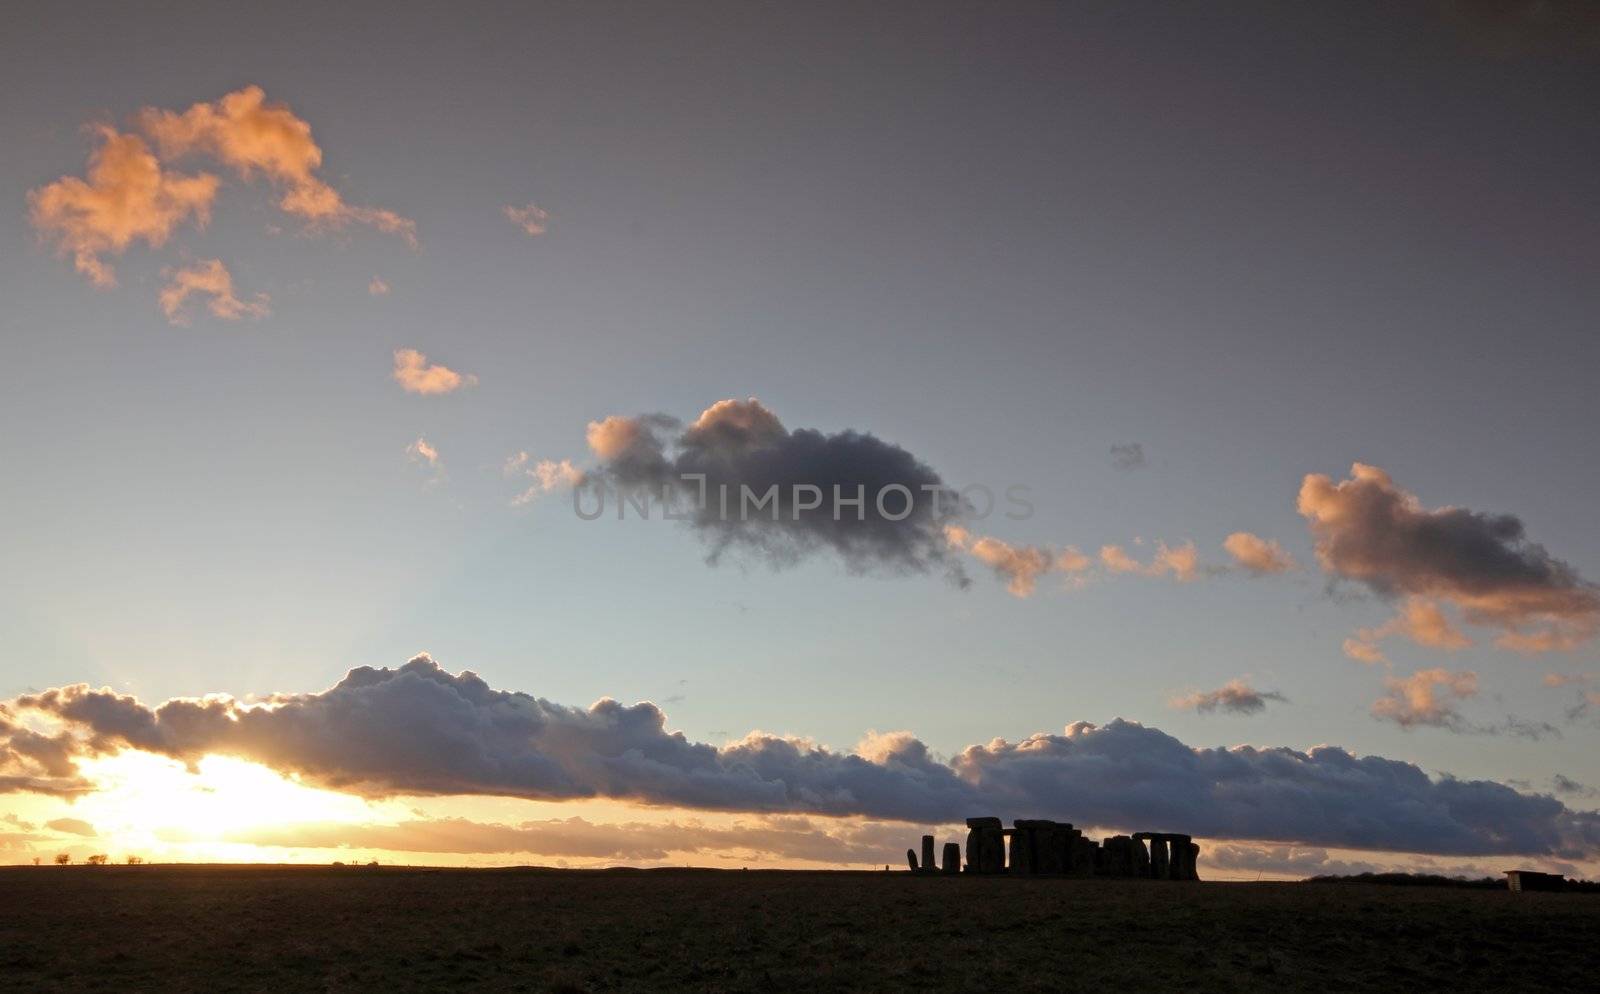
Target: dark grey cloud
x=740, y=448
x=1567, y=785
x=421, y=730
x=1235, y=696
x=1371, y=531
x=1127, y=456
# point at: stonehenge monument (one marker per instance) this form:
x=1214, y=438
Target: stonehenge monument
x=1041, y=847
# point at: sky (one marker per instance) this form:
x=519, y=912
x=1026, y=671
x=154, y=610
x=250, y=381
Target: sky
x=317, y=321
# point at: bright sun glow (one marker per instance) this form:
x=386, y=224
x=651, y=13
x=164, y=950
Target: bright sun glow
x=155, y=805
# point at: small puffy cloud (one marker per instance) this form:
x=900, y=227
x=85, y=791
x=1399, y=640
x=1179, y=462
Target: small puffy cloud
x=1363, y=652
x=416, y=374
x=127, y=197
x=1426, y=697
x=1235, y=696
x=533, y=220
x=1127, y=456
x=377, y=287
x=1019, y=565
x=1116, y=559
x=254, y=137
x=1370, y=531
x=545, y=475
x=1256, y=554
x=1182, y=561
x=72, y=826
x=210, y=280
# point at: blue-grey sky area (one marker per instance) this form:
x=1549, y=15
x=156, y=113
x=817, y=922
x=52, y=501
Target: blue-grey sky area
x=1158, y=263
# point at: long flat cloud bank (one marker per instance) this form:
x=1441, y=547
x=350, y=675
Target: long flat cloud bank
x=419, y=729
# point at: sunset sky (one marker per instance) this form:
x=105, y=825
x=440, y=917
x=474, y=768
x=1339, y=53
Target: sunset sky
x=315, y=321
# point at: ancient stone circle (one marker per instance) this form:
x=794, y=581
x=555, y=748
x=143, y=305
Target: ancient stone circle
x=1040, y=847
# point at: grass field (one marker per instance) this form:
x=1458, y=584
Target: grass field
x=175, y=928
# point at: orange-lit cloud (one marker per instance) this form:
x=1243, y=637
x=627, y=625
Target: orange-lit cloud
x=1363, y=652
x=1020, y=566
x=546, y=475
x=246, y=132
x=422, y=453
x=209, y=279
x=1182, y=561
x=416, y=374
x=1426, y=697
x=377, y=287
x=1256, y=554
x=533, y=220
x=1369, y=530
x=127, y=197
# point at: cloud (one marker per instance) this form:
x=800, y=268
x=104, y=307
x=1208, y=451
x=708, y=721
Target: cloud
x=781, y=496
x=1426, y=697
x=782, y=837
x=531, y=219
x=128, y=197
x=1420, y=620
x=1020, y=566
x=1235, y=696
x=209, y=279
x=377, y=287
x=1301, y=861
x=254, y=137
x=422, y=730
x=1567, y=785
x=1363, y=652
x=546, y=475
x=1127, y=456
x=72, y=826
x=1370, y=531
x=1182, y=561
x=416, y=375
x=422, y=454
x=1256, y=554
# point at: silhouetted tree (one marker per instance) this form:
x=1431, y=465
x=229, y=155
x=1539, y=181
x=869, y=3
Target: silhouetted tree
x=62, y=859
x=35, y=861
x=135, y=860
x=98, y=859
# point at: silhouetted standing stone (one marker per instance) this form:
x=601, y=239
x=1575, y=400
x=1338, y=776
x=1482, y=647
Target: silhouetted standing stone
x=985, y=845
x=911, y=857
x=1141, y=856
x=1021, y=849
x=952, y=858
x=994, y=850
x=1160, y=866
x=927, y=854
x=1083, y=855
x=1192, y=862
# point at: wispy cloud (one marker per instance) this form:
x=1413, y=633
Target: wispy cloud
x=253, y=136
x=211, y=280
x=1235, y=696
x=544, y=475
x=1426, y=697
x=378, y=287
x=533, y=220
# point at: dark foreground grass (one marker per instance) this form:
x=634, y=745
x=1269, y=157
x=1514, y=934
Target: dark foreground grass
x=291, y=929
